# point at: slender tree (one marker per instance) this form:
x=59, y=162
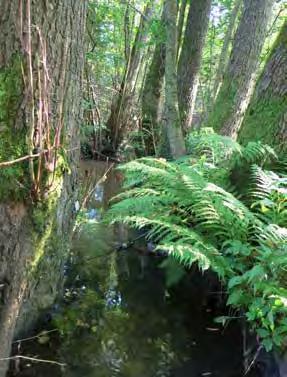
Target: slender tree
x=190, y=58
x=171, y=122
x=181, y=19
x=266, y=118
x=41, y=62
x=121, y=104
x=239, y=79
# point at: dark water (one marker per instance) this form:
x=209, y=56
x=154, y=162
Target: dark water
x=121, y=317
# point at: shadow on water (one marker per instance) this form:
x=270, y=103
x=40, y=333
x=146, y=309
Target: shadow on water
x=121, y=318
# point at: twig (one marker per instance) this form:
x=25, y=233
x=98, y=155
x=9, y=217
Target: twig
x=35, y=336
x=88, y=195
x=27, y=157
x=254, y=359
x=136, y=9
x=107, y=157
x=33, y=359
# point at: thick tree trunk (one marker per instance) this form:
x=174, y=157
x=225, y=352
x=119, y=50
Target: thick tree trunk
x=121, y=107
x=171, y=121
x=239, y=79
x=41, y=61
x=151, y=97
x=223, y=59
x=266, y=118
x=190, y=58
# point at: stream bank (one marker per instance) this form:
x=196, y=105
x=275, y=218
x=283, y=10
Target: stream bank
x=129, y=312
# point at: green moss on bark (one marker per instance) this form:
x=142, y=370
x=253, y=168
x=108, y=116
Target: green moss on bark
x=262, y=122
x=224, y=106
x=12, y=141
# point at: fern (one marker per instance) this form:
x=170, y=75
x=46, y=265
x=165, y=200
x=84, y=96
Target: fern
x=196, y=211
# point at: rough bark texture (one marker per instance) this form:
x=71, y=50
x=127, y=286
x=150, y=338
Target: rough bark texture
x=190, y=58
x=151, y=97
x=266, y=118
x=121, y=106
x=171, y=122
x=239, y=79
x=45, y=39
x=223, y=59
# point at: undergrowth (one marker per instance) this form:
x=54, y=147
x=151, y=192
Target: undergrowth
x=224, y=208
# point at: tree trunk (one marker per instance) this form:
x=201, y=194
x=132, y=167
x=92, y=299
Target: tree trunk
x=223, y=59
x=121, y=106
x=181, y=18
x=171, y=121
x=266, y=118
x=41, y=61
x=239, y=79
x=190, y=58
x=151, y=97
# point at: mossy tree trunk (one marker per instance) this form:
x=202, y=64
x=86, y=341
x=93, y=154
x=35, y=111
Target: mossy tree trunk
x=239, y=78
x=172, y=132
x=151, y=96
x=266, y=118
x=41, y=61
x=190, y=58
x=223, y=59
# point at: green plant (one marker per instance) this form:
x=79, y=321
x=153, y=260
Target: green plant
x=195, y=210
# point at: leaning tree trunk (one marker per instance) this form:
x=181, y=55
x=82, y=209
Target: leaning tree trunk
x=266, y=118
x=239, y=79
x=190, y=58
x=41, y=61
x=172, y=131
x=151, y=97
x=223, y=59
x=181, y=18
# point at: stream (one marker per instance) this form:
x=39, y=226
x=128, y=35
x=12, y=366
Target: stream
x=122, y=314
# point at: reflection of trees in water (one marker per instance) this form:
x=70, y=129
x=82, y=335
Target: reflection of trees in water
x=130, y=337
x=126, y=323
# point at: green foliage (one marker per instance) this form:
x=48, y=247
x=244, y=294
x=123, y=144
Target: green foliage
x=194, y=209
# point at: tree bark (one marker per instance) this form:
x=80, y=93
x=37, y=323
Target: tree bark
x=151, y=97
x=41, y=61
x=181, y=18
x=171, y=121
x=223, y=59
x=266, y=118
x=239, y=79
x=190, y=58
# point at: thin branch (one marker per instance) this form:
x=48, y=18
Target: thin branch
x=136, y=9
x=36, y=336
x=253, y=360
x=33, y=359
x=30, y=156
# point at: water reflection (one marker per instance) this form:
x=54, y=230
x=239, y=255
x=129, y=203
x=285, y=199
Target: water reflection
x=126, y=322
x=122, y=315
